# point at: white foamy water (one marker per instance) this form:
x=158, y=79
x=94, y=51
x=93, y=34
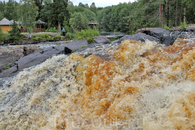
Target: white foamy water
x=131, y=86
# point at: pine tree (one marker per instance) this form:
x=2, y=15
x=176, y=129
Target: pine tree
x=58, y=12
x=14, y=33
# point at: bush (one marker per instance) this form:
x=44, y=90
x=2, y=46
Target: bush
x=69, y=36
x=35, y=39
x=57, y=37
x=87, y=34
x=43, y=36
x=183, y=25
x=166, y=27
x=52, y=30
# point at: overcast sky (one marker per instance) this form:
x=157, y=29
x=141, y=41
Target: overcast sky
x=98, y=3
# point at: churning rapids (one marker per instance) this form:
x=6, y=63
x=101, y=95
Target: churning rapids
x=133, y=85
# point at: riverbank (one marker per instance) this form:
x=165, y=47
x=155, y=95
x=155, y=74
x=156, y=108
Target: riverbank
x=35, y=38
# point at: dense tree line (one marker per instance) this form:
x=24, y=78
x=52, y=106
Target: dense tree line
x=146, y=13
x=124, y=17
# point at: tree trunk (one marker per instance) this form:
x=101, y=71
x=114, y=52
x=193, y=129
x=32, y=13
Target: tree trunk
x=176, y=13
x=168, y=13
x=160, y=15
x=59, y=26
x=180, y=17
x=164, y=14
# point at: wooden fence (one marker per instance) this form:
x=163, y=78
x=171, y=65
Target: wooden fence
x=34, y=30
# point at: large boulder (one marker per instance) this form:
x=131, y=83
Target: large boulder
x=101, y=39
x=138, y=37
x=160, y=33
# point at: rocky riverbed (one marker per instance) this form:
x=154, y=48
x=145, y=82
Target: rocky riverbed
x=126, y=84
x=10, y=54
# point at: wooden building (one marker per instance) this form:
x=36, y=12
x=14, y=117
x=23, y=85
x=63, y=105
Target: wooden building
x=5, y=25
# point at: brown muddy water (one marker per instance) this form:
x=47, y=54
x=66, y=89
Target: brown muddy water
x=137, y=86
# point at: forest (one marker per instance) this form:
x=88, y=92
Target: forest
x=124, y=17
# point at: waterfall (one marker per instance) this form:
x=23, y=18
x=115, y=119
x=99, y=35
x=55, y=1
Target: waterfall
x=133, y=85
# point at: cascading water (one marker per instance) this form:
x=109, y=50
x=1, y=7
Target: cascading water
x=133, y=85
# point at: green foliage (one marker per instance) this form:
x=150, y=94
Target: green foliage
x=93, y=7
x=45, y=12
x=183, y=25
x=79, y=21
x=14, y=33
x=57, y=37
x=87, y=34
x=10, y=10
x=28, y=12
x=73, y=51
x=58, y=13
x=6, y=67
x=69, y=36
x=66, y=24
x=83, y=47
x=1, y=15
x=42, y=35
x=39, y=37
x=38, y=3
x=35, y=39
x=52, y=30
x=1, y=35
x=166, y=27
x=89, y=14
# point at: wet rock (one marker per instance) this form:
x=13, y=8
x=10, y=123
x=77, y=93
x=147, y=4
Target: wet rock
x=138, y=37
x=67, y=50
x=10, y=54
x=74, y=45
x=101, y=39
x=8, y=72
x=160, y=33
x=39, y=57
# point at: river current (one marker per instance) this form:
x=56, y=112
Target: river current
x=133, y=85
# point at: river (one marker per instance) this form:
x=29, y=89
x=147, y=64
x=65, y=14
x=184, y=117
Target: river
x=138, y=86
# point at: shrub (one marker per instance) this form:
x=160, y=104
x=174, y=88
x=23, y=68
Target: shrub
x=57, y=37
x=69, y=36
x=42, y=36
x=52, y=30
x=183, y=25
x=87, y=34
x=35, y=39
x=166, y=27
